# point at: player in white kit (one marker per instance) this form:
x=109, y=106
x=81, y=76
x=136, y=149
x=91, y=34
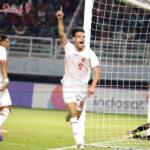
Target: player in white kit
x=5, y=101
x=78, y=63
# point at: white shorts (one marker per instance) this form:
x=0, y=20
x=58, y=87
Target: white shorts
x=75, y=92
x=5, y=98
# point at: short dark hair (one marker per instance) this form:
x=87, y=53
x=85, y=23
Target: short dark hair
x=75, y=30
x=3, y=37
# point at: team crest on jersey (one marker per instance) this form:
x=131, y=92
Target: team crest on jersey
x=83, y=59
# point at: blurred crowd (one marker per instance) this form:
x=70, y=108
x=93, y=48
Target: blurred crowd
x=113, y=20
x=40, y=21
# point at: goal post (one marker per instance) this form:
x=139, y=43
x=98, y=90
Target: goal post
x=87, y=21
x=119, y=33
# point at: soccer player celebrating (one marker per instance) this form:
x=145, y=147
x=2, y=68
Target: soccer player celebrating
x=132, y=134
x=78, y=63
x=5, y=100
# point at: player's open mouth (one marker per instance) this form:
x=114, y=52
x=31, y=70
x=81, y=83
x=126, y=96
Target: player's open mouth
x=81, y=42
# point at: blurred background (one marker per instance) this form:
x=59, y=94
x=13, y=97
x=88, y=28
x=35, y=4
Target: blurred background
x=120, y=37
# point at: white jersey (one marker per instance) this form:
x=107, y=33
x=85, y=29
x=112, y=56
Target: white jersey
x=78, y=64
x=4, y=95
x=3, y=56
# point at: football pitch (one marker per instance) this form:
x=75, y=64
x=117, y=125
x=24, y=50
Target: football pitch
x=37, y=129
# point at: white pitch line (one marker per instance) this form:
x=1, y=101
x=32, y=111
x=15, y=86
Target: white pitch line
x=74, y=146
x=64, y=148
x=100, y=145
x=105, y=142
x=119, y=140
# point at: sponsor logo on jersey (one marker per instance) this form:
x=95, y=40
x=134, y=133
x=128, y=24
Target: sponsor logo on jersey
x=83, y=59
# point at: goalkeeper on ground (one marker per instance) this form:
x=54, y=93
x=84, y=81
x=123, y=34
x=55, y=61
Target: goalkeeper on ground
x=132, y=134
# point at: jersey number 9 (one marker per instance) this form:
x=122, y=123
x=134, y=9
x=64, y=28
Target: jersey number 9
x=80, y=66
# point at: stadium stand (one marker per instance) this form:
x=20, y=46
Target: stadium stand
x=135, y=25
x=40, y=21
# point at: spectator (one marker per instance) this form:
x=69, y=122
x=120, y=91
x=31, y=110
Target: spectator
x=20, y=30
x=41, y=17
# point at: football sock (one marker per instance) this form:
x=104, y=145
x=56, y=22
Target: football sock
x=3, y=115
x=139, y=129
x=143, y=137
x=1, y=137
x=137, y=137
x=75, y=129
x=81, y=130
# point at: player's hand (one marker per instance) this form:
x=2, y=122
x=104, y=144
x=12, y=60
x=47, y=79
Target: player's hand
x=60, y=14
x=3, y=88
x=91, y=90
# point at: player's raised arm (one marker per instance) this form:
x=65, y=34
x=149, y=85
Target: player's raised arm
x=61, y=32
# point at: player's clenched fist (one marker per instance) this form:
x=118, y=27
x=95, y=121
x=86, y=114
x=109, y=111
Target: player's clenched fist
x=60, y=14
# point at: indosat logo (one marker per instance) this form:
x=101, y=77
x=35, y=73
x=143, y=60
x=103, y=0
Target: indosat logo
x=15, y=9
x=120, y=104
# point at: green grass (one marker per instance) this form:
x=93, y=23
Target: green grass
x=39, y=129
x=35, y=129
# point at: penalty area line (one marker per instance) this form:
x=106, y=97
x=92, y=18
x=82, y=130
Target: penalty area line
x=64, y=148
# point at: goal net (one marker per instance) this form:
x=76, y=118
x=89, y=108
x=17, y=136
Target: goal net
x=120, y=36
